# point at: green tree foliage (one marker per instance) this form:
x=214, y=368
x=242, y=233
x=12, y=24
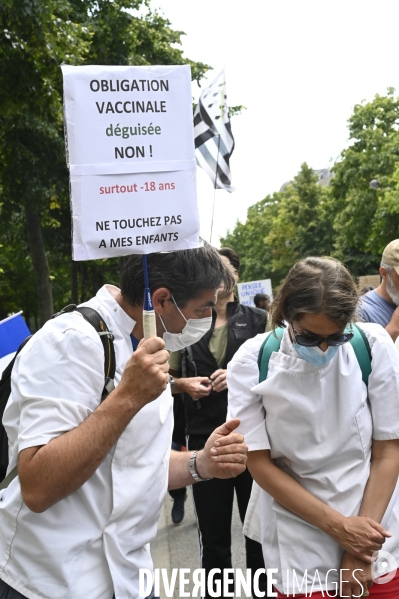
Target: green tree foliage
x=281, y=229
x=366, y=220
x=248, y=239
x=349, y=220
x=36, y=37
x=301, y=227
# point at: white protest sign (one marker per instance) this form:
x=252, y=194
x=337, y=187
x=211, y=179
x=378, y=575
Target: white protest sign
x=247, y=291
x=131, y=159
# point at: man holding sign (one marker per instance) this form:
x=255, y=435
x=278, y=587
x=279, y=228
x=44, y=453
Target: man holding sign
x=74, y=522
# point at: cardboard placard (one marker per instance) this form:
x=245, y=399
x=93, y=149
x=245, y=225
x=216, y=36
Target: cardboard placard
x=247, y=291
x=131, y=159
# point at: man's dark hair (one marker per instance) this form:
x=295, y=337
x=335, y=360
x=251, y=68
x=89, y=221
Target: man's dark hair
x=186, y=273
x=261, y=297
x=231, y=256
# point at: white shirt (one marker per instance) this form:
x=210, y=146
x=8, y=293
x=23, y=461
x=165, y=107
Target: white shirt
x=318, y=424
x=91, y=544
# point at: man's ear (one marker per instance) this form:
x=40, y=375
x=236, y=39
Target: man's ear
x=383, y=272
x=160, y=299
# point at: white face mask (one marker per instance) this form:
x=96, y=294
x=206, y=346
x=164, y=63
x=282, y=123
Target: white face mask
x=194, y=330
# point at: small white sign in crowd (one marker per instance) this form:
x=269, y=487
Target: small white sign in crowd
x=247, y=291
x=131, y=159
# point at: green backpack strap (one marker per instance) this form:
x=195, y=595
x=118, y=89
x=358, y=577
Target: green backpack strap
x=271, y=343
x=362, y=350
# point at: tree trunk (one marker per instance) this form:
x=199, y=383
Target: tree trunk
x=83, y=282
x=40, y=264
x=122, y=261
x=74, y=282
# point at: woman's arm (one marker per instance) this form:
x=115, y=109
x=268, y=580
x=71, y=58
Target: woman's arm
x=384, y=473
x=381, y=484
x=360, y=536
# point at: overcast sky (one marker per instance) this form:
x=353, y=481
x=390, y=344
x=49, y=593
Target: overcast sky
x=299, y=67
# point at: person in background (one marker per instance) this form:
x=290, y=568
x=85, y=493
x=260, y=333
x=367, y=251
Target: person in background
x=381, y=304
x=262, y=301
x=366, y=289
x=199, y=372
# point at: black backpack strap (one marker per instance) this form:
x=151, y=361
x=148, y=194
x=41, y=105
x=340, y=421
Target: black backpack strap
x=190, y=356
x=5, y=392
x=98, y=323
x=7, y=371
x=10, y=477
x=187, y=354
x=107, y=339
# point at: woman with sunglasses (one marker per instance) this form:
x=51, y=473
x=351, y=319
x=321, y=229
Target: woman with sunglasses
x=323, y=446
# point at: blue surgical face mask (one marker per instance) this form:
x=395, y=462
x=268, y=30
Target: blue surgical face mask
x=314, y=355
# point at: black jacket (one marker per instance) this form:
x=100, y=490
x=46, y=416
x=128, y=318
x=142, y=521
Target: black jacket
x=204, y=415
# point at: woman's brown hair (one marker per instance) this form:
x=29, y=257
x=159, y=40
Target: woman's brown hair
x=316, y=286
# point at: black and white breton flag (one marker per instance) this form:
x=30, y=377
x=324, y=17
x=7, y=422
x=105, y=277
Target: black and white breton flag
x=214, y=142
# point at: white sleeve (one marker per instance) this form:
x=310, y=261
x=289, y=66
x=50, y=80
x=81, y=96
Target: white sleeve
x=242, y=376
x=58, y=383
x=383, y=388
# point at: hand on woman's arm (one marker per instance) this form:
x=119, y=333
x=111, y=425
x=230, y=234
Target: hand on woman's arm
x=360, y=536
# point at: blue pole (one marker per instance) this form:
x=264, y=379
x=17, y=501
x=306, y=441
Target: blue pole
x=149, y=321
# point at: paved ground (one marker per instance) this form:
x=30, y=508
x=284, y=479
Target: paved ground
x=177, y=546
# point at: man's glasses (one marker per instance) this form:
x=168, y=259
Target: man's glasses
x=309, y=340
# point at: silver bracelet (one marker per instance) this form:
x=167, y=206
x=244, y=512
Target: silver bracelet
x=192, y=466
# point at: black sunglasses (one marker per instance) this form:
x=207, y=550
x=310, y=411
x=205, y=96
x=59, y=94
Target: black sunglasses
x=314, y=340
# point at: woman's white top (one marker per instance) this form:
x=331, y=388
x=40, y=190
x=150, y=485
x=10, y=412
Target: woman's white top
x=91, y=544
x=318, y=423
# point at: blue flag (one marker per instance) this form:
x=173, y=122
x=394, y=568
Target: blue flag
x=13, y=330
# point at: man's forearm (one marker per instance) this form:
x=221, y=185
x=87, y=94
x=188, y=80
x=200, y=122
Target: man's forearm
x=48, y=473
x=224, y=456
x=53, y=471
x=179, y=474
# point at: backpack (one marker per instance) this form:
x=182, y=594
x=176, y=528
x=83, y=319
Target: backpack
x=96, y=320
x=359, y=343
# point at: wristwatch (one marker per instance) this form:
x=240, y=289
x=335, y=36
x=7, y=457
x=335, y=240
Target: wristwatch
x=172, y=383
x=192, y=466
